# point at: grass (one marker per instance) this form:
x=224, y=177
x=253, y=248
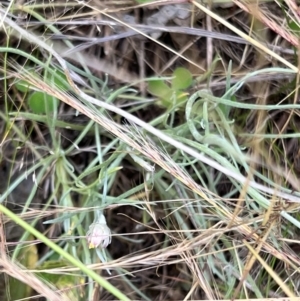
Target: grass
x=200, y=189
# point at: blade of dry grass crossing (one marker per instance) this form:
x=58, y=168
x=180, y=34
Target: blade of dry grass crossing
x=275, y=276
x=245, y=36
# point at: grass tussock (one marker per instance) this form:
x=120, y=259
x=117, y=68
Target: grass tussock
x=149, y=150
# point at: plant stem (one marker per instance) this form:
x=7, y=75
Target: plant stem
x=100, y=280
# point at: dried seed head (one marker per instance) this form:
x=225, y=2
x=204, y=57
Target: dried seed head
x=99, y=234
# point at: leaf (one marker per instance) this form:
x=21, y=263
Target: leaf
x=170, y=98
x=182, y=79
x=225, y=108
x=41, y=103
x=160, y=89
x=28, y=257
x=175, y=100
x=68, y=283
x=59, y=80
x=22, y=86
x=294, y=27
x=181, y=97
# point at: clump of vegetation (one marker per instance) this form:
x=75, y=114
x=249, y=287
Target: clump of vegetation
x=147, y=168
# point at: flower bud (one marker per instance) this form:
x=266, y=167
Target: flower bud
x=99, y=234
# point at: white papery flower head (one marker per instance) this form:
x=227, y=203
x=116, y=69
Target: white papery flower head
x=99, y=235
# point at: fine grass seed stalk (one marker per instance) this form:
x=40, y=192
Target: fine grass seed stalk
x=148, y=170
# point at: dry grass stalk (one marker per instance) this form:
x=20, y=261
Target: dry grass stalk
x=25, y=276
x=254, y=10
